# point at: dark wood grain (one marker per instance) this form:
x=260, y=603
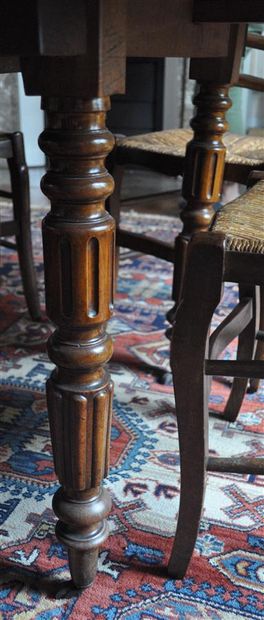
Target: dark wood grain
x=43, y=27
x=228, y=11
x=98, y=72
x=243, y=321
x=203, y=171
x=246, y=348
x=256, y=41
x=236, y=465
x=236, y=321
x=247, y=369
x=250, y=81
x=223, y=70
x=188, y=350
x=147, y=245
x=156, y=28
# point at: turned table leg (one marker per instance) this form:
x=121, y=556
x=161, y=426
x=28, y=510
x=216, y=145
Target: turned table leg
x=203, y=173
x=78, y=237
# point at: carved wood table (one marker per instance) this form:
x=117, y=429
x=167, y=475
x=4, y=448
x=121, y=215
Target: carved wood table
x=73, y=54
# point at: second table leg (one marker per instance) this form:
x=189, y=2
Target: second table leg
x=203, y=171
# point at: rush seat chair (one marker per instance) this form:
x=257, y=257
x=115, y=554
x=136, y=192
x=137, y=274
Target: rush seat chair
x=232, y=251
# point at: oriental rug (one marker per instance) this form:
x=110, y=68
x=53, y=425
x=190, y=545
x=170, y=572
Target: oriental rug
x=225, y=579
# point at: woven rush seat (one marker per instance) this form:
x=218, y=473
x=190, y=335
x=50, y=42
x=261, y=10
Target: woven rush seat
x=242, y=221
x=247, y=152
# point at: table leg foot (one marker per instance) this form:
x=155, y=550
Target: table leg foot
x=83, y=567
x=82, y=528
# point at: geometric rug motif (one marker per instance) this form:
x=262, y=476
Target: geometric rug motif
x=226, y=574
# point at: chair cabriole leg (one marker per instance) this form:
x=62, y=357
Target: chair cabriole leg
x=20, y=193
x=202, y=293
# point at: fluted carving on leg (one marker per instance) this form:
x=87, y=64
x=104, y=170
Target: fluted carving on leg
x=80, y=424
x=78, y=237
x=203, y=173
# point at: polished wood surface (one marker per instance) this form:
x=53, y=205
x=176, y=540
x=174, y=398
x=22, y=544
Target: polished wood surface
x=78, y=236
x=191, y=404
x=203, y=172
x=156, y=29
x=250, y=81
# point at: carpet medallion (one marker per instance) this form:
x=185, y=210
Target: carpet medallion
x=225, y=579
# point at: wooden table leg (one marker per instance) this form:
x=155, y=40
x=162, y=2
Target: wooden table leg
x=204, y=170
x=78, y=236
x=205, y=155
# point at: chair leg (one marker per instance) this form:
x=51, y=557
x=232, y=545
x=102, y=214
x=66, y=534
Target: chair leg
x=259, y=354
x=20, y=192
x=245, y=351
x=193, y=444
x=202, y=293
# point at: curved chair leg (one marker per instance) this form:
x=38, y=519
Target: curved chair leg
x=20, y=193
x=193, y=444
x=259, y=354
x=202, y=293
x=245, y=351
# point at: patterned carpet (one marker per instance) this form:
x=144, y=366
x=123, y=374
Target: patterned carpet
x=226, y=575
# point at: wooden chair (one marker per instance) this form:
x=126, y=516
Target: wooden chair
x=12, y=149
x=164, y=152
x=232, y=251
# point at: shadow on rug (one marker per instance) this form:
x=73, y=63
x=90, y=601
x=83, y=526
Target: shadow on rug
x=225, y=577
